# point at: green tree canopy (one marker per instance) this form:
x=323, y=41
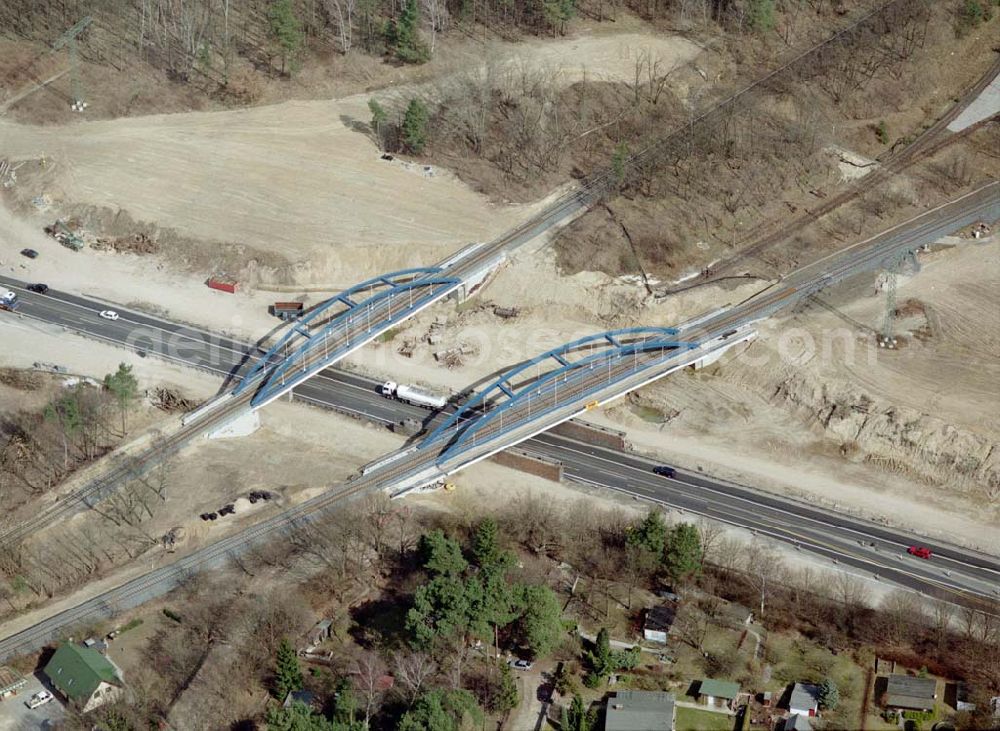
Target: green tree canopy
x=650, y=534
x=485, y=543
x=441, y=555
x=440, y=611
x=577, y=718
x=540, y=625
x=379, y=118
x=829, y=695
x=682, y=558
x=286, y=30
x=442, y=710
x=414, y=130
x=125, y=388
x=287, y=674
x=761, y=15
x=404, y=39
x=601, y=659
x=506, y=698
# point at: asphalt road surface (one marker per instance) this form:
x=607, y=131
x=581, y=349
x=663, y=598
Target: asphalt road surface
x=954, y=573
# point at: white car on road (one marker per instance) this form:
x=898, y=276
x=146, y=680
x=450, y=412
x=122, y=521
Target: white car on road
x=38, y=699
x=109, y=314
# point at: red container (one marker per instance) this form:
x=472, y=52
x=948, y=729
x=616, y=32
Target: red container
x=223, y=285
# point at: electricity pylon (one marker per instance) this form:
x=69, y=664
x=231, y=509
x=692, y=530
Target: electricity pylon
x=68, y=39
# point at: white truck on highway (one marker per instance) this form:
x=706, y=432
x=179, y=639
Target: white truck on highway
x=412, y=395
x=8, y=300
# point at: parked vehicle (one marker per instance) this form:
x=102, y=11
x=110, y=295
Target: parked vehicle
x=919, y=551
x=227, y=510
x=109, y=314
x=38, y=699
x=30, y=253
x=8, y=300
x=412, y=395
x=209, y=516
x=521, y=664
x=258, y=495
x=40, y=288
x=664, y=471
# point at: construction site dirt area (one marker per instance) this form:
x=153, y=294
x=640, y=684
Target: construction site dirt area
x=298, y=191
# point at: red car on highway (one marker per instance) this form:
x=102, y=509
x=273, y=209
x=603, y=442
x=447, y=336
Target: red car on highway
x=919, y=551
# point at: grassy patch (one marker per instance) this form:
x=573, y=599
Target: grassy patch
x=689, y=719
x=389, y=335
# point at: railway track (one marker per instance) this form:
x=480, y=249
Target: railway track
x=803, y=282
x=929, y=142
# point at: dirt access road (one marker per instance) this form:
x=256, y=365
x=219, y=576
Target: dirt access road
x=301, y=179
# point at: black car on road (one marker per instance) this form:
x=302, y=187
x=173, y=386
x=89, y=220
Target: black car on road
x=664, y=471
x=30, y=253
x=40, y=288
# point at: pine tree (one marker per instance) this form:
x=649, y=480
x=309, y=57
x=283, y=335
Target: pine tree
x=379, y=117
x=577, y=718
x=506, y=698
x=829, y=695
x=762, y=15
x=415, y=126
x=403, y=38
x=540, y=625
x=682, y=557
x=485, y=545
x=286, y=30
x=601, y=659
x=125, y=388
x=287, y=674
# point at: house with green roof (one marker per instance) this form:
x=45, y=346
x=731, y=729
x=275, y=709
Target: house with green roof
x=718, y=693
x=83, y=676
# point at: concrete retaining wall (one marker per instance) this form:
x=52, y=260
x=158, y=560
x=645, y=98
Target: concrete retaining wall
x=518, y=459
x=583, y=431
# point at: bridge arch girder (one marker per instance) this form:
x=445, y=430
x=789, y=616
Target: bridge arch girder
x=610, y=346
x=419, y=284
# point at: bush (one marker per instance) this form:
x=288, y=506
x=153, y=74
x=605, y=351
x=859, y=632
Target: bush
x=131, y=625
x=882, y=132
x=170, y=614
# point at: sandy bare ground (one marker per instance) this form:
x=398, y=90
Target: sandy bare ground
x=302, y=179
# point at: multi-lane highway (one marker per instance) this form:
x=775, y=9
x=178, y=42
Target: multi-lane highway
x=874, y=550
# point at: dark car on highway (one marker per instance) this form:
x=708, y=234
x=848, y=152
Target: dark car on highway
x=664, y=471
x=30, y=253
x=40, y=288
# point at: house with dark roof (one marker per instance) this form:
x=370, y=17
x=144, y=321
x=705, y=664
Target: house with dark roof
x=908, y=692
x=804, y=699
x=794, y=722
x=640, y=710
x=83, y=676
x=658, y=622
x=718, y=693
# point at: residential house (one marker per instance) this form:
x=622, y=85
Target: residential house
x=804, y=699
x=658, y=622
x=305, y=697
x=959, y=696
x=718, y=693
x=83, y=676
x=910, y=693
x=795, y=722
x=11, y=681
x=631, y=710
x=319, y=633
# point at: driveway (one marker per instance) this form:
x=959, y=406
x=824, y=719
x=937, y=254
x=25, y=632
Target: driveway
x=15, y=716
x=534, y=688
